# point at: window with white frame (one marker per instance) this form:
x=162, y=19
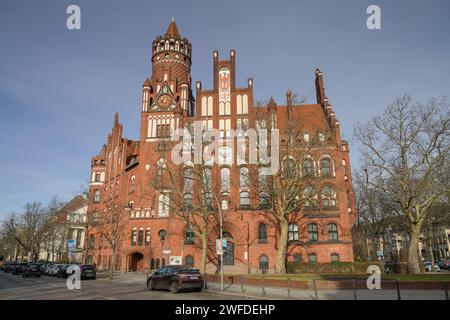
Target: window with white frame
x=163, y=208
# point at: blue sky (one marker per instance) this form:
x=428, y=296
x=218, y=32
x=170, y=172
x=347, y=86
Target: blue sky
x=59, y=89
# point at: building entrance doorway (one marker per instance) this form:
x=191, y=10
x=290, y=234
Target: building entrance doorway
x=136, y=262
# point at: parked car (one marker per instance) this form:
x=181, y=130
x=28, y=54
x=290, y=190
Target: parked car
x=429, y=268
x=47, y=268
x=32, y=270
x=176, y=278
x=444, y=265
x=53, y=269
x=88, y=271
x=19, y=268
x=61, y=271
x=9, y=266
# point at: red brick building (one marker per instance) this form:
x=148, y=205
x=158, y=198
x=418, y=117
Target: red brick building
x=123, y=172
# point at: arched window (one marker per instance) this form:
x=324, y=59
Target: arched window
x=147, y=237
x=227, y=235
x=94, y=218
x=334, y=257
x=140, y=237
x=293, y=232
x=243, y=178
x=310, y=197
x=225, y=182
x=326, y=169
x=188, y=199
x=244, y=198
x=189, y=261
x=162, y=234
x=312, y=258
x=262, y=233
x=97, y=196
x=189, y=236
x=131, y=204
x=132, y=183
x=160, y=167
x=328, y=197
x=313, y=232
x=133, y=237
x=332, y=232
x=152, y=264
x=163, y=209
x=188, y=180
x=263, y=263
x=228, y=257
x=308, y=167
x=91, y=241
x=289, y=168
x=206, y=186
x=297, y=260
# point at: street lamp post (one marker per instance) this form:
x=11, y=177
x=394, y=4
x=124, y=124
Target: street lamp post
x=221, y=243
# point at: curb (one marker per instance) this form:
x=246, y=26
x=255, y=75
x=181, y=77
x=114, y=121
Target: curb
x=239, y=295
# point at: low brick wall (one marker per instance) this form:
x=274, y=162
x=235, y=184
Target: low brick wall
x=328, y=284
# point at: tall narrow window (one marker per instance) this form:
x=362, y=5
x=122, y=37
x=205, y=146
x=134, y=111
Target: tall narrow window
x=147, y=237
x=313, y=232
x=310, y=197
x=225, y=183
x=332, y=232
x=97, y=196
x=308, y=167
x=189, y=261
x=140, y=237
x=189, y=235
x=132, y=183
x=262, y=233
x=325, y=167
x=133, y=237
x=328, y=197
x=293, y=232
x=94, y=218
x=263, y=185
x=163, y=209
x=263, y=263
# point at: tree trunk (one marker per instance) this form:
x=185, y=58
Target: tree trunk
x=413, y=250
x=280, y=266
x=113, y=262
x=204, y=251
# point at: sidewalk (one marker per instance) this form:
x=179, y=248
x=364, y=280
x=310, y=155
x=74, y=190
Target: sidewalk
x=278, y=293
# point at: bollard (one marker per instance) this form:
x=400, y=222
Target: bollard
x=446, y=291
x=397, y=284
x=316, y=294
x=354, y=289
x=205, y=285
x=289, y=287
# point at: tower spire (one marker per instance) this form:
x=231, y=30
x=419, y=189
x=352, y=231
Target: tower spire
x=172, y=30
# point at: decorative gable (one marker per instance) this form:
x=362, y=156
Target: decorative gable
x=165, y=100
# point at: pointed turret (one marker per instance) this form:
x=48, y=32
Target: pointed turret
x=172, y=30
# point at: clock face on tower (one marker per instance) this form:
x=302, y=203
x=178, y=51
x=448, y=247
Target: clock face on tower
x=164, y=101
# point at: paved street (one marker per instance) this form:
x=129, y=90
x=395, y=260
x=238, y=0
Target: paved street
x=14, y=287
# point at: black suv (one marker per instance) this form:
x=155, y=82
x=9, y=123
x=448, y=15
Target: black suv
x=19, y=268
x=88, y=271
x=32, y=270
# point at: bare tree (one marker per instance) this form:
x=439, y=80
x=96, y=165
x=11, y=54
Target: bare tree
x=284, y=193
x=406, y=152
x=110, y=227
